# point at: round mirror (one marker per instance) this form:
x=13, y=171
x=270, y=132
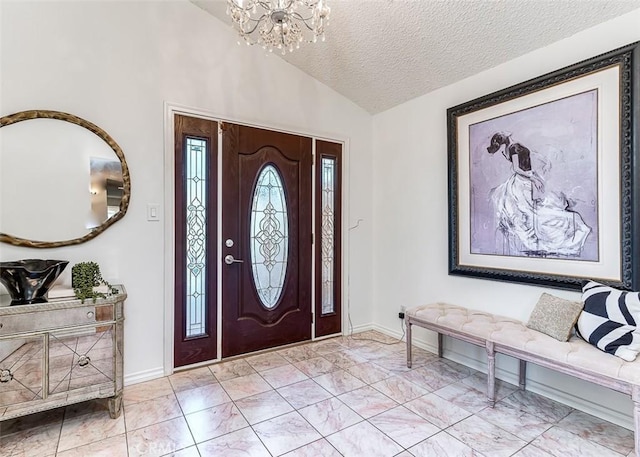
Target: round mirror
x=63, y=180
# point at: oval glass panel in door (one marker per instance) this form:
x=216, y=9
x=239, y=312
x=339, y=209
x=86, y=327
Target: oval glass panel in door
x=269, y=234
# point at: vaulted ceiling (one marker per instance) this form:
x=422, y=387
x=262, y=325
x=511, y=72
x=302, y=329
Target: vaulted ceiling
x=381, y=53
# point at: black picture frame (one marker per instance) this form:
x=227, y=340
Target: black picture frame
x=621, y=269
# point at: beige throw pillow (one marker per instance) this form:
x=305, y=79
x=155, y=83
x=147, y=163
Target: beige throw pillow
x=555, y=316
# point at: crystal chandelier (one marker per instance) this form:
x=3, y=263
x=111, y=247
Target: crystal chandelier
x=279, y=24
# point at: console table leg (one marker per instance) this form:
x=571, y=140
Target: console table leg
x=115, y=406
x=440, y=341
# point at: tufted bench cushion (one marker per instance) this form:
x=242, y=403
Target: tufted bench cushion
x=508, y=336
x=457, y=318
x=576, y=354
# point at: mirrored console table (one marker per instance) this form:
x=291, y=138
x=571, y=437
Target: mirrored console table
x=61, y=352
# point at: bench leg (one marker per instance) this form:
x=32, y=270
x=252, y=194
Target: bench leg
x=440, y=340
x=522, y=375
x=635, y=396
x=409, y=356
x=491, y=373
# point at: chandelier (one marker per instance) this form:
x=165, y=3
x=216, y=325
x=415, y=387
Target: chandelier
x=279, y=24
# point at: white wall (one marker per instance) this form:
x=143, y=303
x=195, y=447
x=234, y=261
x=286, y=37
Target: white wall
x=116, y=64
x=411, y=208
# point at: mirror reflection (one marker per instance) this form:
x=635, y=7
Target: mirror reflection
x=63, y=180
x=106, y=190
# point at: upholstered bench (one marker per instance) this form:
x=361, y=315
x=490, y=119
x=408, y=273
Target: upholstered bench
x=511, y=337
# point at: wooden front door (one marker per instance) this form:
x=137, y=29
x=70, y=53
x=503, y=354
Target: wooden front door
x=266, y=239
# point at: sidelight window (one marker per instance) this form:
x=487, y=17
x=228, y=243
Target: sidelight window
x=196, y=224
x=328, y=173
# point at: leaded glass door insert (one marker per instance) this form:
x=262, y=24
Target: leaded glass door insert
x=327, y=233
x=269, y=235
x=196, y=229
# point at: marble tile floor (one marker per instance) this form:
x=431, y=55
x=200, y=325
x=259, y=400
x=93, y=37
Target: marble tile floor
x=350, y=396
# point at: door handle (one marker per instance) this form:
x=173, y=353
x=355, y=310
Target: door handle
x=228, y=259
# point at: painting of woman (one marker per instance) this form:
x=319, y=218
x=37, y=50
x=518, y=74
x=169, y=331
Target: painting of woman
x=532, y=220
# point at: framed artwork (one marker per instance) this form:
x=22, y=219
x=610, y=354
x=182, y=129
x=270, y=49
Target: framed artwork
x=543, y=178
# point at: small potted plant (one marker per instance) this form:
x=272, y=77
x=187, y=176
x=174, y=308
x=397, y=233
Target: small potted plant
x=85, y=277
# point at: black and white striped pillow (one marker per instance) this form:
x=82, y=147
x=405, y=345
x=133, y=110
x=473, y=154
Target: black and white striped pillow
x=610, y=320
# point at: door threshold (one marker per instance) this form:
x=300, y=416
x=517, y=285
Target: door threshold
x=250, y=354
x=264, y=351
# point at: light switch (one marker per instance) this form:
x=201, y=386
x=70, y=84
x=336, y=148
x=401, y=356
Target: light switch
x=153, y=212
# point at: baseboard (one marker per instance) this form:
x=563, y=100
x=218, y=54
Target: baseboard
x=552, y=392
x=358, y=329
x=595, y=409
x=142, y=376
x=396, y=333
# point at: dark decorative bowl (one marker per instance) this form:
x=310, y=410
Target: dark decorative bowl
x=29, y=280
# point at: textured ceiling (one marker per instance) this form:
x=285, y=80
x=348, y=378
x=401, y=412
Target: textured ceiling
x=381, y=53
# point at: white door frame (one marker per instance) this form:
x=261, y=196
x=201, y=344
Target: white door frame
x=170, y=110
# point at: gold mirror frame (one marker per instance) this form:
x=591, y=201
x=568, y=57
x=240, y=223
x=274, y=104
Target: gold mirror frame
x=126, y=191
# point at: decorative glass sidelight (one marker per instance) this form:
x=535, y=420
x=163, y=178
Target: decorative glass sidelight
x=269, y=236
x=328, y=186
x=196, y=200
